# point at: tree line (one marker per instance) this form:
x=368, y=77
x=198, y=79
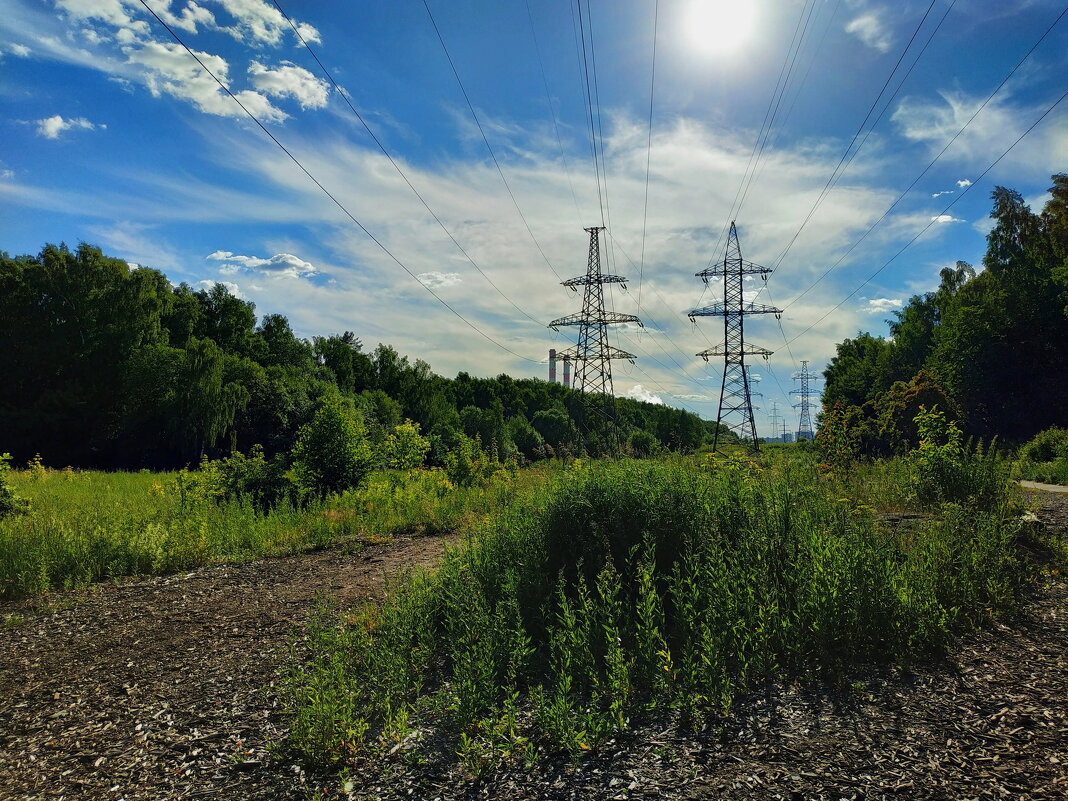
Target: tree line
x=989, y=346
x=109, y=366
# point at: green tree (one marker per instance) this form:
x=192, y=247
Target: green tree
x=332, y=453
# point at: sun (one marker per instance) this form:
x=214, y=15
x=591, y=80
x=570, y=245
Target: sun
x=721, y=27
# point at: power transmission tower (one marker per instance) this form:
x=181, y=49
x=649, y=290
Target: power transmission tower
x=775, y=418
x=804, y=396
x=593, y=355
x=735, y=393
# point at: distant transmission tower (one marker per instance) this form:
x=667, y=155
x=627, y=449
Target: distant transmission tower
x=776, y=419
x=593, y=355
x=804, y=398
x=735, y=394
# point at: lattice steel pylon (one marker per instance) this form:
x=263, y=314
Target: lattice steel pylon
x=804, y=396
x=593, y=355
x=735, y=393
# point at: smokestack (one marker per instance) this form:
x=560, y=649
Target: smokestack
x=567, y=372
x=552, y=365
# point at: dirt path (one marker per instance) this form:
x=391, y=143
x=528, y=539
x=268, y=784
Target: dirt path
x=158, y=688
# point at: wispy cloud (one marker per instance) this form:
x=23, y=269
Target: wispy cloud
x=945, y=218
x=438, y=279
x=870, y=28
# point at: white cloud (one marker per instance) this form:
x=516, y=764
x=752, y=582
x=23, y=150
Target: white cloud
x=259, y=22
x=871, y=30
x=640, y=393
x=437, y=280
x=281, y=265
x=963, y=182
x=111, y=12
x=290, y=81
x=7, y=175
x=945, y=192
x=172, y=71
x=231, y=287
x=52, y=127
x=945, y=218
x=18, y=50
x=694, y=397
x=881, y=305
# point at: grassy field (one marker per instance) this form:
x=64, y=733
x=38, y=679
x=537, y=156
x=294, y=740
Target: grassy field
x=614, y=589
x=85, y=527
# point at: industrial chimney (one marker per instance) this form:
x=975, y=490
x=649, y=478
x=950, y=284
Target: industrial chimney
x=552, y=365
x=567, y=371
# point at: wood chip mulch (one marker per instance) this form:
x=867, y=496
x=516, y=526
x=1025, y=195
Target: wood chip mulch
x=162, y=689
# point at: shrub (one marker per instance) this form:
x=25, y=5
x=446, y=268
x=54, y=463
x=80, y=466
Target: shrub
x=404, y=448
x=467, y=464
x=1046, y=446
x=839, y=437
x=946, y=469
x=264, y=482
x=636, y=585
x=642, y=444
x=332, y=453
x=10, y=503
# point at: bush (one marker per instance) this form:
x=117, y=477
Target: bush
x=946, y=469
x=636, y=585
x=264, y=482
x=1046, y=446
x=642, y=444
x=404, y=448
x=332, y=453
x=468, y=465
x=10, y=503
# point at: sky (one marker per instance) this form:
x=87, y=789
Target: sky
x=478, y=189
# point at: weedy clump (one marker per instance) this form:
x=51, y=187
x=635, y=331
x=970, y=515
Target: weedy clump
x=623, y=587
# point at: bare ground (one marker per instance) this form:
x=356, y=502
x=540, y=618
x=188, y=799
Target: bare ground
x=161, y=688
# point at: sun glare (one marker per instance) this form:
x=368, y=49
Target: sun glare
x=721, y=27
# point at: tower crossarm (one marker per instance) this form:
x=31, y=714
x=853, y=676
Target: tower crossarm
x=746, y=268
x=604, y=318
x=587, y=280
x=723, y=310
x=610, y=352
x=745, y=350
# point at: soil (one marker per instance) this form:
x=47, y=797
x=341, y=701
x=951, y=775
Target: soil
x=163, y=688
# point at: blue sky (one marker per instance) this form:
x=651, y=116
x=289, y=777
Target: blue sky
x=110, y=133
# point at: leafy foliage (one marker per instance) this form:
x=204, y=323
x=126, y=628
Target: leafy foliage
x=627, y=586
x=991, y=345
x=332, y=453
x=10, y=503
x=108, y=366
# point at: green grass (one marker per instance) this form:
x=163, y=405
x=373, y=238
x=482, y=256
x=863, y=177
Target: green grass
x=85, y=527
x=617, y=588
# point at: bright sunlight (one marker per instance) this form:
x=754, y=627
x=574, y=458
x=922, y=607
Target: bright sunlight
x=721, y=27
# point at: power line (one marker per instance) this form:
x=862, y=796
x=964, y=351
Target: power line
x=933, y=161
x=552, y=110
x=345, y=97
x=860, y=128
x=750, y=164
x=648, y=154
x=935, y=218
x=327, y=192
x=489, y=147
